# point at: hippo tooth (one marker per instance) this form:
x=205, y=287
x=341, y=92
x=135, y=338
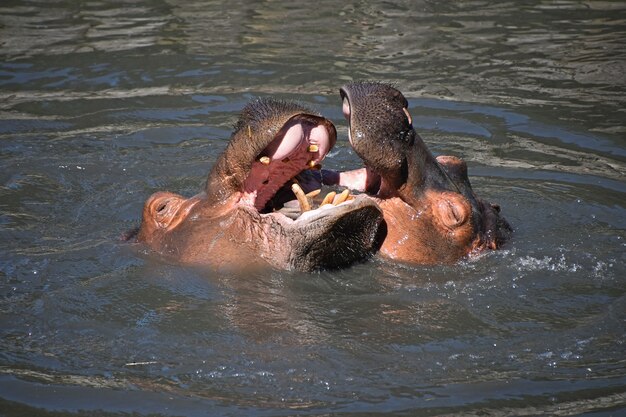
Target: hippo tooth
x=329, y=198
x=341, y=197
x=265, y=160
x=408, y=115
x=314, y=165
x=313, y=148
x=304, y=203
x=313, y=193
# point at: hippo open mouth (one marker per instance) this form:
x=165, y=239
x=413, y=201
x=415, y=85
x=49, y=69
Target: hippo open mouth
x=259, y=202
x=285, y=178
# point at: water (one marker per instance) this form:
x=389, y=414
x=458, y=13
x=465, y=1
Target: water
x=103, y=103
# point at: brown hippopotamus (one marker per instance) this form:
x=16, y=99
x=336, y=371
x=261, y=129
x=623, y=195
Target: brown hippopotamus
x=239, y=221
x=431, y=213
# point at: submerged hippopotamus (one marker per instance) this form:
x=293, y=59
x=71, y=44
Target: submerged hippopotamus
x=431, y=214
x=241, y=218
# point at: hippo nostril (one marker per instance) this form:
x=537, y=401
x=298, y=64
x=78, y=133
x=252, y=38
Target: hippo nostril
x=161, y=207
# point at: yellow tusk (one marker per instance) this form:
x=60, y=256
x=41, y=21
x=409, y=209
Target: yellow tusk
x=265, y=160
x=314, y=165
x=313, y=193
x=313, y=148
x=408, y=115
x=304, y=203
x=341, y=197
x=329, y=198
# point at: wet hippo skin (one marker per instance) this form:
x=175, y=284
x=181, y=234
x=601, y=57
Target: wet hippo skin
x=238, y=221
x=431, y=213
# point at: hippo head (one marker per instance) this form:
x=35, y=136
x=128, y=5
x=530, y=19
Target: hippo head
x=242, y=218
x=431, y=211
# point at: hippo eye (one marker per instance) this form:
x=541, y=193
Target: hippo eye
x=456, y=215
x=453, y=211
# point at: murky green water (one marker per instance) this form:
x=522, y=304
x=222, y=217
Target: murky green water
x=104, y=102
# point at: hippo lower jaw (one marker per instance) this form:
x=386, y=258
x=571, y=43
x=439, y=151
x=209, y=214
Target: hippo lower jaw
x=332, y=236
x=322, y=213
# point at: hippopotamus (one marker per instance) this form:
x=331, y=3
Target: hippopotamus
x=242, y=218
x=432, y=215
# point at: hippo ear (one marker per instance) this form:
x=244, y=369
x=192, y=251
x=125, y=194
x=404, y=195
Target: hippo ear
x=455, y=167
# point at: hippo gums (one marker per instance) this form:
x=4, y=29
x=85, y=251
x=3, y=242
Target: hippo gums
x=431, y=213
x=243, y=217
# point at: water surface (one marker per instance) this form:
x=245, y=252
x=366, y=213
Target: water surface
x=103, y=103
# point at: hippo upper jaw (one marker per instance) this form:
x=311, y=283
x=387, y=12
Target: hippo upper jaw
x=273, y=141
x=381, y=132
